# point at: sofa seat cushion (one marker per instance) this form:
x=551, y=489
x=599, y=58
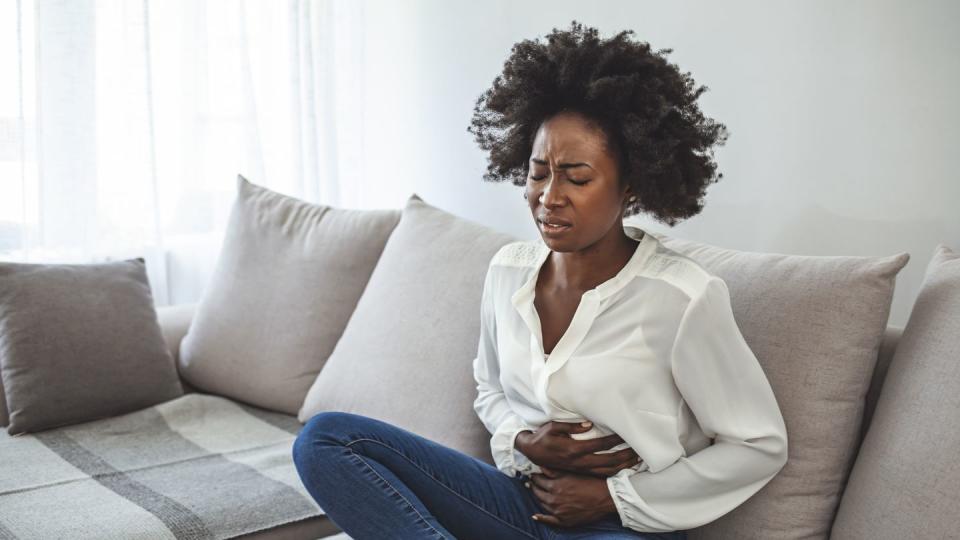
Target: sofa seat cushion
x=199, y=466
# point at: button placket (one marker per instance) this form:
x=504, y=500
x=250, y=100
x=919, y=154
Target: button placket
x=582, y=320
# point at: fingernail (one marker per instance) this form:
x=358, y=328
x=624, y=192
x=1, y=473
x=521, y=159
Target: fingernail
x=526, y=484
x=536, y=518
x=586, y=424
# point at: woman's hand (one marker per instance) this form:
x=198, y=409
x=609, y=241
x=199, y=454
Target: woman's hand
x=571, y=499
x=551, y=445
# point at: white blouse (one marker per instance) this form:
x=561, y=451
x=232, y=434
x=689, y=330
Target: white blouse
x=653, y=354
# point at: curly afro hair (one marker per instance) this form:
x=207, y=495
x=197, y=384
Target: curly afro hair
x=644, y=104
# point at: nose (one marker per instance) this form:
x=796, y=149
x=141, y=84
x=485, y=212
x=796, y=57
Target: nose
x=552, y=194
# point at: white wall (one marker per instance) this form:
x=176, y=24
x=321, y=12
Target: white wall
x=843, y=116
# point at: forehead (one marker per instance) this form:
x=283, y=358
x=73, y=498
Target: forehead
x=569, y=135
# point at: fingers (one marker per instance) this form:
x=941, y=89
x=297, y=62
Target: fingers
x=538, y=481
x=604, y=465
x=610, y=441
x=603, y=472
x=601, y=443
x=548, y=519
x=627, y=455
x=571, y=427
x=538, y=488
x=598, y=443
x=541, y=494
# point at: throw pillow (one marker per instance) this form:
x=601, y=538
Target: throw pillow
x=79, y=342
x=815, y=324
x=406, y=356
x=905, y=481
x=286, y=281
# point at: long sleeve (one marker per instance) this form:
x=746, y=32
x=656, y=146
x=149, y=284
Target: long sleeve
x=491, y=404
x=727, y=391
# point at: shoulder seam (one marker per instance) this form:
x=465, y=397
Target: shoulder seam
x=678, y=270
x=519, y=253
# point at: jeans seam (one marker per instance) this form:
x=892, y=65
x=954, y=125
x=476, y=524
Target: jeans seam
x=395, y=490
x=448, y=488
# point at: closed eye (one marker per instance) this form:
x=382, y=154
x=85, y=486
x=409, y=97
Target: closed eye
x=572, y=181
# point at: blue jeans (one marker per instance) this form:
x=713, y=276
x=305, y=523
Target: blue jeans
x=375, y=480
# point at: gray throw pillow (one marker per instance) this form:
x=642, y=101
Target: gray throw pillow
x=906, y=482
x=286, y=281
x=815, y=324
x=406, y=356
x=79, y=342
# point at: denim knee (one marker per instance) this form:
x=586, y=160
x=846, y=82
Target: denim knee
x=323, y=429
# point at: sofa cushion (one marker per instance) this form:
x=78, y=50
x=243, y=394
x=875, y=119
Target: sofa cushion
x=80, y=342
x=815, y=324
x=174, y=322
x=286, y=281
x=406, y=356
x=906, y=482
x=888, y=346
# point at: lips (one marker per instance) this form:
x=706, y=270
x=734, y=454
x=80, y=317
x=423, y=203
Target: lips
x=550, y=220
x=552, y=225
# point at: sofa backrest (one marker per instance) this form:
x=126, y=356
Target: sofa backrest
x=891, y=337
x=175, y=320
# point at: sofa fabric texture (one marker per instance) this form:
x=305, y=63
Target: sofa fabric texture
x=80, y=342
x=406, y=356
x=286, y=282
x=906, y=482
x=4, y=418
x=815, y=324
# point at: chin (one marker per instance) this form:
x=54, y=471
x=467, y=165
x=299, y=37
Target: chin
x=558, y=244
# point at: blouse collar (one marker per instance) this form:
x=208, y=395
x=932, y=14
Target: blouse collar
x=634, y=264
x=587, y=310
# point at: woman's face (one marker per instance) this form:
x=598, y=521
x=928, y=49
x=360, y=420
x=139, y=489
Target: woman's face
x=573, y=182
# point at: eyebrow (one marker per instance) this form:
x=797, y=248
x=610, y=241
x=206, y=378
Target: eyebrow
x=560, y=165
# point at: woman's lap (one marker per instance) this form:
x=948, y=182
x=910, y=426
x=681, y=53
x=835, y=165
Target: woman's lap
x=377, y=480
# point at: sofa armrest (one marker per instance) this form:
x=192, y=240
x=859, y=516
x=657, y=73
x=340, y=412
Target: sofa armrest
x=174, y=322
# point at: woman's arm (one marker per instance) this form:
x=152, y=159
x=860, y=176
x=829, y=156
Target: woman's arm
x=728, y=392
x=491, y=404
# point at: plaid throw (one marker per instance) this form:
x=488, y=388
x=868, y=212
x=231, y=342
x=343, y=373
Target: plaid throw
x=199, y=466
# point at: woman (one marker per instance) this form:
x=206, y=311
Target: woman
x=621, y=397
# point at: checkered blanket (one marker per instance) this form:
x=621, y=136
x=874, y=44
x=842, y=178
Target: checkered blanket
x=198, y=467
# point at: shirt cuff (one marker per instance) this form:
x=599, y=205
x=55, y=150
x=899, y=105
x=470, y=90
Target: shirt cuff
x=629, y=503
x=508, y=459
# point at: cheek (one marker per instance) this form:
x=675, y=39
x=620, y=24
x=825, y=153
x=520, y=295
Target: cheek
x=597, y=196
x=600, y=205
x=533, y=193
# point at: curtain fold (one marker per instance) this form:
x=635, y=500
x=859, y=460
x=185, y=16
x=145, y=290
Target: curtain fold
x=125, y=122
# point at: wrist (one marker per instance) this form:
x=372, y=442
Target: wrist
x=520, y=441
x=609, y=505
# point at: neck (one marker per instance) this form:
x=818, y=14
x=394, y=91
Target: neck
x=584, y=269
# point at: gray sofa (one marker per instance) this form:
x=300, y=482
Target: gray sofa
x=175, y=321
x=311, y=309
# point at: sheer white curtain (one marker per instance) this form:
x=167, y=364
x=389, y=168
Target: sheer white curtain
x=123, y=124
